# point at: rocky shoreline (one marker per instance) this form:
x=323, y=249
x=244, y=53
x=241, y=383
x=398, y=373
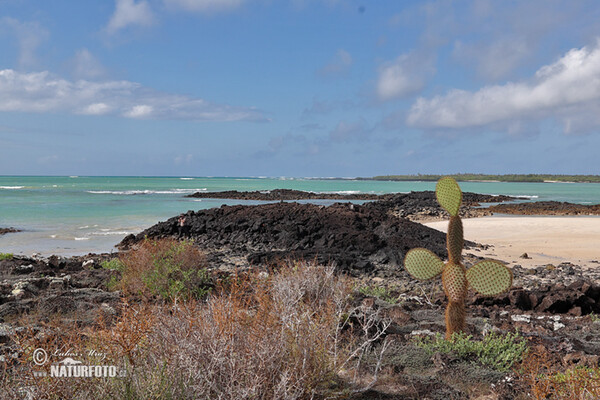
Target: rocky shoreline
x=290, y=195
x=546, y=208
x=418, y=206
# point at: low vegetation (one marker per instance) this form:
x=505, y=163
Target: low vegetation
x=499, y=352
x=6, y=256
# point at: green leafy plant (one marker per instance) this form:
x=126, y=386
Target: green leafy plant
x=499, y=352
x=6, y=256
x=488, y=277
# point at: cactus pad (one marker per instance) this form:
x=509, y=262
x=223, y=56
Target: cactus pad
x=423, y=264
x=449, y=195
x=455, y=282
x=489, y=277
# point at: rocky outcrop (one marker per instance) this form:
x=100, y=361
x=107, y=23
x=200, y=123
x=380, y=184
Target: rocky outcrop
x=546, y=208
x=416, y=206
x=357, y=238
x=564, y=289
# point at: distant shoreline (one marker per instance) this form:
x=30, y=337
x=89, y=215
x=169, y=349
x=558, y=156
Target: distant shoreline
x=516, y=178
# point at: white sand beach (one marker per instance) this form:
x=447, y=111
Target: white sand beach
x=547, y=240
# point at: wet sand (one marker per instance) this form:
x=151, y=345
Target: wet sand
x=547, y=240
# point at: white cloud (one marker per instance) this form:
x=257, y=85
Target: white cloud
x=404, y=76
x=85, y=65
x=568, y=89
x=42, y=92
x=203, y=6
x=339, y=65
x=29, y=35
x=96, y=109
x=128, y=12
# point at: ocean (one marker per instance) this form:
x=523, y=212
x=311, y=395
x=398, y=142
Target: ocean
x=77, y=215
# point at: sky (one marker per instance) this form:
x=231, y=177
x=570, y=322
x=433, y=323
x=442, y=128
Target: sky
x=302, y=88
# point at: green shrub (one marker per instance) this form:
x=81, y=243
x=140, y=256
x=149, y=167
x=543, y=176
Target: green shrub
x=6, y=256
x=113, y=264
x=167, y=268
x=499, y=352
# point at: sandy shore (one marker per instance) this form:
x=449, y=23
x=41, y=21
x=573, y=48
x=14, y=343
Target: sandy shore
x=547, y=240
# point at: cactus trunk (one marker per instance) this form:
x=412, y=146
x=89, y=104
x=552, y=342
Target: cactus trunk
x=454, y=240
x=455, y=318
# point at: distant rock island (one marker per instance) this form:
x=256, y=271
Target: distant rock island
x=289, y=194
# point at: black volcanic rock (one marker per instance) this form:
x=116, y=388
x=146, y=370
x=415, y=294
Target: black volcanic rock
x=290, y=194
x=547, y=208
x=424, y=205
x=357, y=238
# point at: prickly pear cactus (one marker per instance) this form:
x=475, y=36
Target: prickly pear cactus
x=488, y=277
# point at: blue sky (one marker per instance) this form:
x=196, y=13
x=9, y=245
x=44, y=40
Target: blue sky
x=298, y=87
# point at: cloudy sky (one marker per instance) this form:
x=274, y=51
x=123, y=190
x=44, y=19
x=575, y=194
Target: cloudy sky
x=299, y=87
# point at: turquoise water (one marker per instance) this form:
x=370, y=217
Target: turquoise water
x=77, y=215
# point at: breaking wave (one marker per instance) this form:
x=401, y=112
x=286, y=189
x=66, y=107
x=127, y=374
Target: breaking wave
x=135, y=192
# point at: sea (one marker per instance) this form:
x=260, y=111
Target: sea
x=76, y=215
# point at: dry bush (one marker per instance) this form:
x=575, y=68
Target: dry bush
x=542, y=374
x=276, y=337
x=291, y=335
x=167, y=268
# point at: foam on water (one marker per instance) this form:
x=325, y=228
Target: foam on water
x=136, y=192
x=108, y=233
